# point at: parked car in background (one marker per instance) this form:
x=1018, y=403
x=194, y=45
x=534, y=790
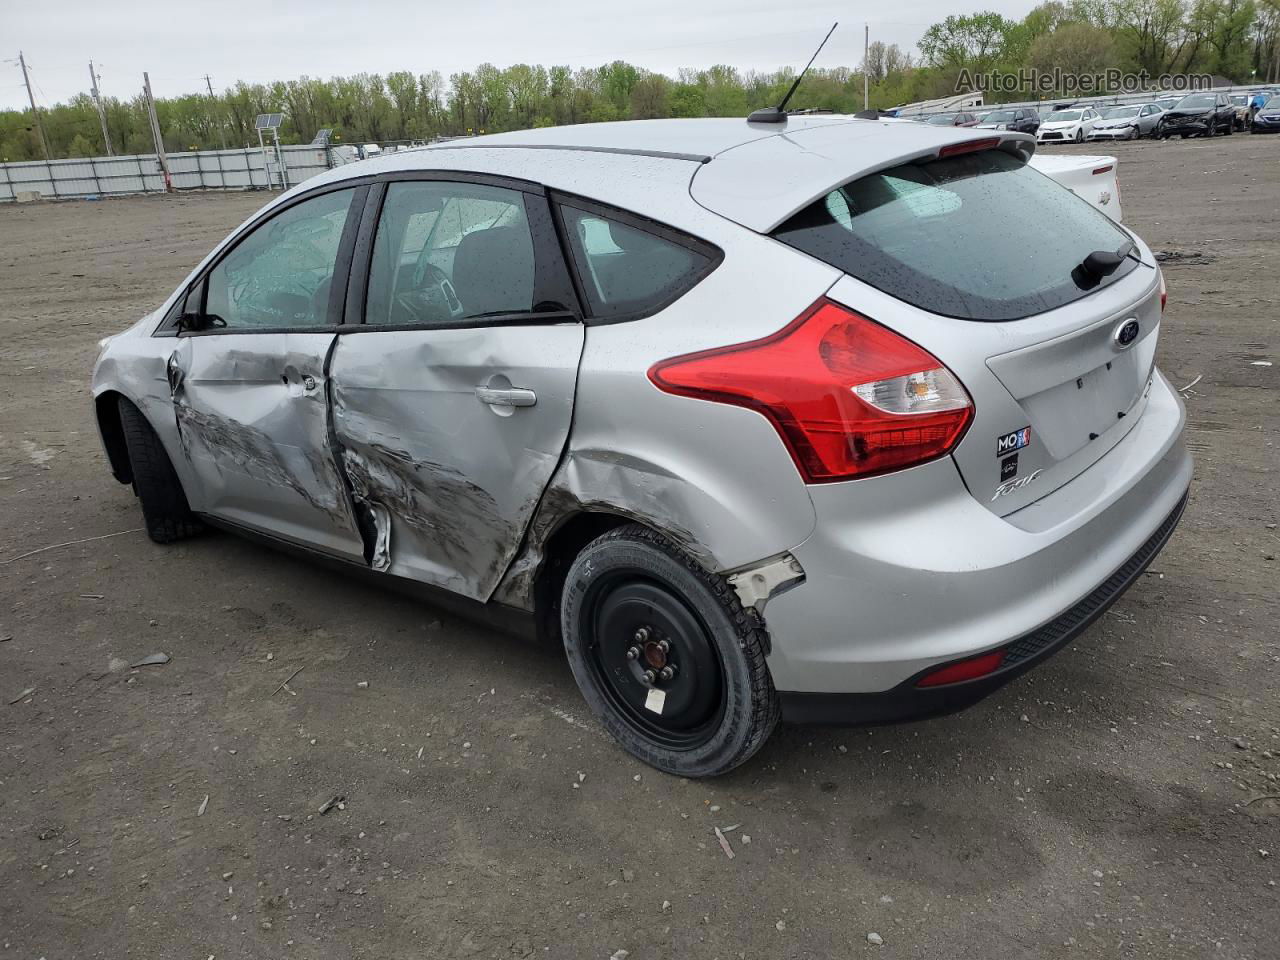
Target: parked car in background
x=1241, y=103
x=1126, y=122
x=1021, y=120
x=552, y=373
x=1094, y=180
x=1166, y=103
x=1074, y=123
x=952, y=120
x=1267, y=120
x=1198, y=115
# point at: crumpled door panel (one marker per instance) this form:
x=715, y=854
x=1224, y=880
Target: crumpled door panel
x=457, y=477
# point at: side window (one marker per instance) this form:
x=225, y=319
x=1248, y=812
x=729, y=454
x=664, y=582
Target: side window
x=280, y=275
x=625, y=270
x=447, y=252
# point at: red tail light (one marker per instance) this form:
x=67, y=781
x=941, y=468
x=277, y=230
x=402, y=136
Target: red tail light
x=1164, y=291
x=849, y=397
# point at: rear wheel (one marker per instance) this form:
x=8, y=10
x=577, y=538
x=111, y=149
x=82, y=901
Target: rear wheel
x=164, y=504
x=666, y=656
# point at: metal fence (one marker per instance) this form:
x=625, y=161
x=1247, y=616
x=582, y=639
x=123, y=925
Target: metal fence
x=140, y=173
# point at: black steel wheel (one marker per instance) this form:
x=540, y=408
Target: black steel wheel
x=665, y=655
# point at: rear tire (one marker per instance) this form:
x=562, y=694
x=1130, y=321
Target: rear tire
x=164, y=504
x=632, y=591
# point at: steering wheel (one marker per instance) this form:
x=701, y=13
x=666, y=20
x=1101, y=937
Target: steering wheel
x=432, y=297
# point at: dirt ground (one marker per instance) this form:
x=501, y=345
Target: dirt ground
x=1120, y=801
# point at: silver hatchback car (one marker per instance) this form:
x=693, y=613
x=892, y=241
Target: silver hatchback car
x=838, y=420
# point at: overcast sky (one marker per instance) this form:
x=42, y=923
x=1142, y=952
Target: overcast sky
x=262, y=40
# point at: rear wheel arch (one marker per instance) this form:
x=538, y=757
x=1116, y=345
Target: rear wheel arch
x=567, y=539
x=107, y=408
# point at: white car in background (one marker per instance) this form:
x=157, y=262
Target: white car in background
x=1075, y=123
x=1093, y=179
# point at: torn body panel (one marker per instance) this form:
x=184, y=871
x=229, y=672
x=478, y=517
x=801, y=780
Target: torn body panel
x=458, y=477
x=252, y=417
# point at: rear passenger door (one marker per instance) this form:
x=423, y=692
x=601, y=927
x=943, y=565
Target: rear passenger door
x=452, y=385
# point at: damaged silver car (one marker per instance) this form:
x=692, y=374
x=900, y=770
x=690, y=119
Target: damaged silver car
x=811, y=420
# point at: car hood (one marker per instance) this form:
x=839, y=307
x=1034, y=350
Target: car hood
x=1187, y=114
x=1060, y=125
x=1111, y=124
x=990, y=126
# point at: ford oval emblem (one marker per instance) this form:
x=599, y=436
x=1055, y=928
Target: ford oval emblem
x=1126, y=333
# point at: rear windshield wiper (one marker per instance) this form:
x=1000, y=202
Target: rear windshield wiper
x=1101, y=263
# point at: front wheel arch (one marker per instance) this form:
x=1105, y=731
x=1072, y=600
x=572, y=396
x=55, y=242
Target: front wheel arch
x=107, y=408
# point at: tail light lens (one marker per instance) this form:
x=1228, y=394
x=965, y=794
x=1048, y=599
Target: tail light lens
x=849, y=397
x=1164, y=291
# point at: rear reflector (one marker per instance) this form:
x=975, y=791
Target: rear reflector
x=848, y=397
x=1106, y=169
x=963, y=670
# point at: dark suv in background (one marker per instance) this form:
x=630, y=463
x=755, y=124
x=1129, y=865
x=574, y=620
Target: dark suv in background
x=1023, y=120
x=1198, y=114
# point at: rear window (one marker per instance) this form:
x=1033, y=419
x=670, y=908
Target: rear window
x=980, y=236
x=626, y=271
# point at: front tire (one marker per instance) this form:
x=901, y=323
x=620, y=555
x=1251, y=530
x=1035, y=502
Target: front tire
x=165, y=511
x=633, y=606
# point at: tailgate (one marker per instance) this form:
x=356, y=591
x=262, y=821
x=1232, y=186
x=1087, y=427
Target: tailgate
x=1052, y=393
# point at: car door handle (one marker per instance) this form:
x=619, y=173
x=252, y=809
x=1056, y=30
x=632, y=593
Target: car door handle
x=506, y=396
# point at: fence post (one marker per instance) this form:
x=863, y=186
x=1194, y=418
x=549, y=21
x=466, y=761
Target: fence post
x=8, y=182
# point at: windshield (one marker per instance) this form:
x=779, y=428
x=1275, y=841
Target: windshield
x=1240, y=101
x=1058, y=115
x=1197, y=101
x=1271, y=104
x=998, y=116
x=963, y=236
x=942, y=119
x=1119, y=113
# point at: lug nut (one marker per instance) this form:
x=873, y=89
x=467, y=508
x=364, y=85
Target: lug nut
x=642, y=635
x=664, y=645
x=668, y=671
x=633, y=652
x=650, y=677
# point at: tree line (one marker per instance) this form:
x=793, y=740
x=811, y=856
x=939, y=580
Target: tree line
x=1235, y=39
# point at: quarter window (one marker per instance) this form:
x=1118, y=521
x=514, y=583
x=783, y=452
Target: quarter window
x=625, y=270
x=450, y=252
x=281, y=274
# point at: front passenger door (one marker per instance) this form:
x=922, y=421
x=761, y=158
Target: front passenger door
x=248, y=376
x=452, y=401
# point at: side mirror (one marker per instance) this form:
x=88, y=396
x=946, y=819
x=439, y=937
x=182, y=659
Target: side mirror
x=188, y=321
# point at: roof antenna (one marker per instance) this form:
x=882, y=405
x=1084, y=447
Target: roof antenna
x=778, y=114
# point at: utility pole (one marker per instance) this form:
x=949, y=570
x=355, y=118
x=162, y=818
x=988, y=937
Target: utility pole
x=102, y=113
x=866, y=66
x=34, y=112
x=222, y=134
x=155, y=132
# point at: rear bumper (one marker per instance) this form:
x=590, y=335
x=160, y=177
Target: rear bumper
x=910, y=702
x=909, y=571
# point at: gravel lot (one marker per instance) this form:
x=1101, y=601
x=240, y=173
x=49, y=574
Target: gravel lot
x=1121, y=801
